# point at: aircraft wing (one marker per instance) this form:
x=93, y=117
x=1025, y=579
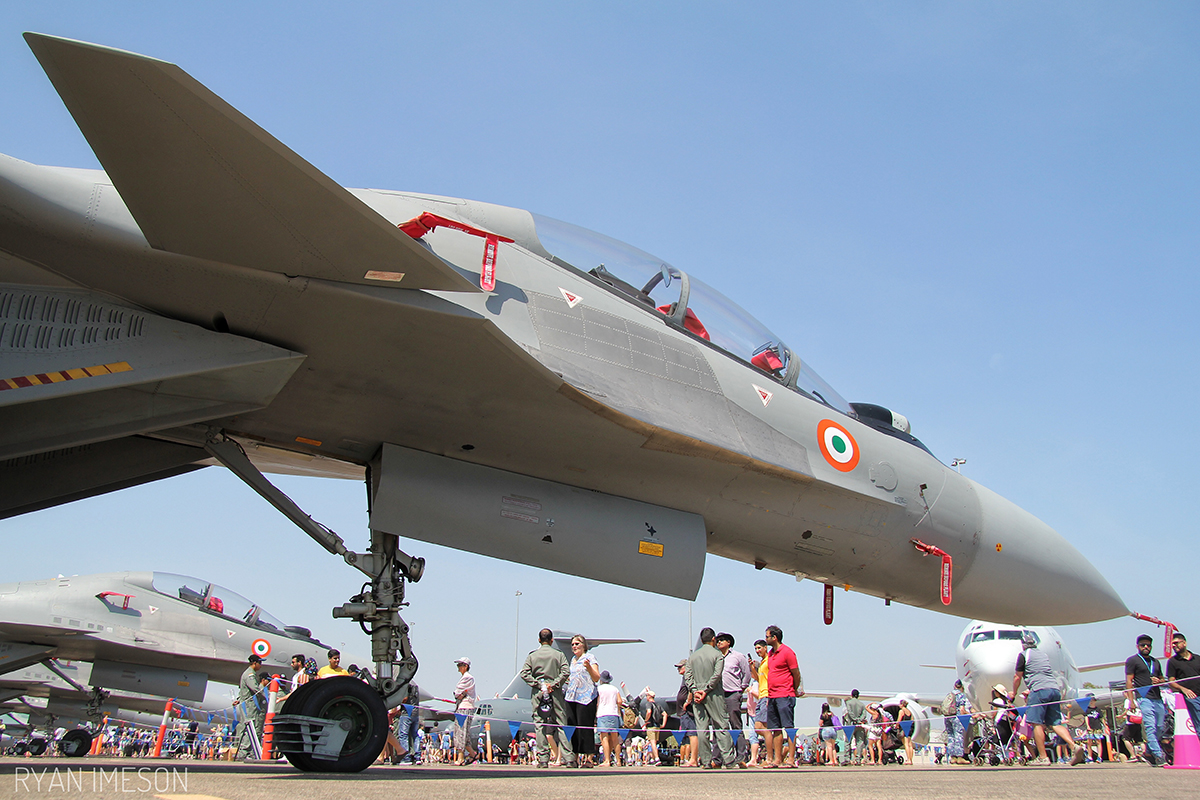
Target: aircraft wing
x=202, y=179
x=835, y=698
x=1096, y=667
x=939, y=666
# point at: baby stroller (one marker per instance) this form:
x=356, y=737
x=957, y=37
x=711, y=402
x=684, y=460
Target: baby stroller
x=891, y=741
x=990, y=748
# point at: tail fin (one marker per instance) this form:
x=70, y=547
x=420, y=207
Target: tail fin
x=203, y=180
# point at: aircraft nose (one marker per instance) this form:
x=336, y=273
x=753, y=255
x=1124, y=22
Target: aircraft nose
x=1026, y=573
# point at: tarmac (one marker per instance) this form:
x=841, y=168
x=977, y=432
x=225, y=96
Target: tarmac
x=174, y=778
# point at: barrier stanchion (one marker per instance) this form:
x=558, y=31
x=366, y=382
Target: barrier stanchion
x=1187, y=745
x=98, y=742
x=162, y=729
x=269, y=725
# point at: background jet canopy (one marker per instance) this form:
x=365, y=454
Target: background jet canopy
x=217, y=599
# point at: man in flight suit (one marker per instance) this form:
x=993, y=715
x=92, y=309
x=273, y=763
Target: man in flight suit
x=546, y=671
x=247, y=689
x=703, y=677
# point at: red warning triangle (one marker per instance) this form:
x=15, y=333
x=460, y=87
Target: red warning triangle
x=229, y=632
x=763, y=394
x=571, y=298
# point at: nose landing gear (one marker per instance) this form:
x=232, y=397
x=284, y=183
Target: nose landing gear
x=339, y=724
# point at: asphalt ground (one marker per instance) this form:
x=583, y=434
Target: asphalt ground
x=102, y=777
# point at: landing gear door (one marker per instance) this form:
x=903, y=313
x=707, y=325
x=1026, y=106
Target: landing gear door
x=538, y=522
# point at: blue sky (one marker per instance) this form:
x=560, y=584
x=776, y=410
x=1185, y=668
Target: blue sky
x=981, y=215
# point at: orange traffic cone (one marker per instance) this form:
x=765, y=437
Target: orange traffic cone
x=1187, y=745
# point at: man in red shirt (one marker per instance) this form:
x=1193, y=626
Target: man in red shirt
x=784, y=685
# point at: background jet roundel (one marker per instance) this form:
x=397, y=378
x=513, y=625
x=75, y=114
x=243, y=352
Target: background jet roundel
x=837, y=445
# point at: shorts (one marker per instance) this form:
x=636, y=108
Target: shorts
x=781, y=712
x=828, y=734
x=687, y=723
x=760, y=711
x=609, y=723
x=1048, y=715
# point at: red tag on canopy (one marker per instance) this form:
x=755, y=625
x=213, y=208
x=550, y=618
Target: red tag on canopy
x=828, y=604
x=426, y=222
x=947, y=578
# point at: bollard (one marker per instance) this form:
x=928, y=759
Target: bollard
x=98, y=742
x=268, y=724
x=162, y=729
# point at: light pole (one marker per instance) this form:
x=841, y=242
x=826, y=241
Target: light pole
x=517, y=635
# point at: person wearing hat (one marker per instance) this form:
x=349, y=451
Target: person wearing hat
x=1045, y=699
x=1143, y=673
x=247, y=689
x=464, y=709
x=546, y=671
x=654, y=719
x=608, y=719
x=956, y=703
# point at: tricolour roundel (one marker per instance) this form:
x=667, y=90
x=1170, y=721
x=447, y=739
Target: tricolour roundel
x=261, y=648
x=837, y=445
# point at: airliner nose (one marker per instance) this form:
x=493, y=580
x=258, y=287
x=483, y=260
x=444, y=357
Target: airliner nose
x=1028, y=574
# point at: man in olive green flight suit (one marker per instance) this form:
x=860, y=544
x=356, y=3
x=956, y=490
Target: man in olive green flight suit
x=703, y=677
x=247, y=689
x=546, y=670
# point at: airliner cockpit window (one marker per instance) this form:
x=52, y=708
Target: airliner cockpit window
x=214, y=598
x=983, y=636
x=708, y=315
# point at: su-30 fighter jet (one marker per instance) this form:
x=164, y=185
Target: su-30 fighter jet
x=505, y=383
x=88, y=645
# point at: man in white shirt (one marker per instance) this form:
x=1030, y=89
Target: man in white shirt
x=735, y=678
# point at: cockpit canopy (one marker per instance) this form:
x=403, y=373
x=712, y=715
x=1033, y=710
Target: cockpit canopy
x=686, y=302
x=225, y=602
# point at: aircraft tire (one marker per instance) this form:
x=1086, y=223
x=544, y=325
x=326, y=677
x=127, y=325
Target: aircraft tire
x=37, y=746
x=343, y=698
x=75, y=744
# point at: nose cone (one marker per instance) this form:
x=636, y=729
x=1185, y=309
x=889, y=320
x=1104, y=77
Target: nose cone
x=989, y=664
x=1025, y=573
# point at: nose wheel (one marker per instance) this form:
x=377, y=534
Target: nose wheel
x=336, y=724
x=75, y=743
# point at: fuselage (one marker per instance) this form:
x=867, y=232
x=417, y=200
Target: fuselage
x=676, y=419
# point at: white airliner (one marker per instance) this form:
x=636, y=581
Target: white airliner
x=987, y=652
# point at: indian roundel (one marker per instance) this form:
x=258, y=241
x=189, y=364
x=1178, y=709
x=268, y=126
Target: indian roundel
x=837, y=445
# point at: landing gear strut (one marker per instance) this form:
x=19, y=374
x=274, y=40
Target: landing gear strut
x=340, y=725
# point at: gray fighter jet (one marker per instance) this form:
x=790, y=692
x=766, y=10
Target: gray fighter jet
x=503, y=382
x=92, y=644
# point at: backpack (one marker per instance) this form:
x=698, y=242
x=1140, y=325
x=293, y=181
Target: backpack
x=948, y=705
